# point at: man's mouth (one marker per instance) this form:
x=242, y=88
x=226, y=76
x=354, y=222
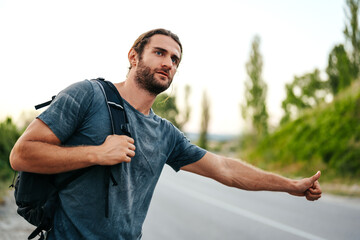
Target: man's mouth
x=163, y=73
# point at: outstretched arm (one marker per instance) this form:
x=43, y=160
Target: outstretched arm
x=236, y=173
x=39, y=150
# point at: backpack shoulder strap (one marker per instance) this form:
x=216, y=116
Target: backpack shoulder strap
x=41, y=105
x=116, y=107
x=119, y=124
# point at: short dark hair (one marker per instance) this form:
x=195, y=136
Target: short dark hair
x=144, y=39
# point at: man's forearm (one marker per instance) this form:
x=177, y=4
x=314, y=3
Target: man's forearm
x=40, y=157
x=247, y=177
x=38, y=150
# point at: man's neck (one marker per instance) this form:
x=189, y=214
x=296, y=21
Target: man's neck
x=137, y=97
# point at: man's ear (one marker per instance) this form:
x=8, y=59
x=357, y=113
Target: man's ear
x=132, y=56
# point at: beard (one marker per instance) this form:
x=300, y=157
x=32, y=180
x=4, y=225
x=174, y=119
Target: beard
x=145, y=78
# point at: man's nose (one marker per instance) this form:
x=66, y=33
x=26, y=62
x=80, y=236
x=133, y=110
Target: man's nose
x=167, y=62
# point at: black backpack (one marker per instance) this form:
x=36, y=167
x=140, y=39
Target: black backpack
x=36, y=195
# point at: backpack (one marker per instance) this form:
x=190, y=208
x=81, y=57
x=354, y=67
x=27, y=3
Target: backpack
x=36, y=195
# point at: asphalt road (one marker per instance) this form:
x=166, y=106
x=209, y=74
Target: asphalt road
x=187, y=206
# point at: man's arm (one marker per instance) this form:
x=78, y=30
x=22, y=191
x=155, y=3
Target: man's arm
x=39, y=150
x=236, y=173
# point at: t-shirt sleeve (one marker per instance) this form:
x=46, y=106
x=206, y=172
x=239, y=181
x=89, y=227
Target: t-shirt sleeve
x=68, y=109
x=184, y=152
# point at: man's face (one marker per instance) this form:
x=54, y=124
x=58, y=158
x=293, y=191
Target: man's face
x=158, y=64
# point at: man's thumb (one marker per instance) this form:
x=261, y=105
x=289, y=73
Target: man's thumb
x=316, y=176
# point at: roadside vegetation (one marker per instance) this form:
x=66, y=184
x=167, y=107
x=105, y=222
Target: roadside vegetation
x=9, y=133
x=325, y=138
x=320, y=127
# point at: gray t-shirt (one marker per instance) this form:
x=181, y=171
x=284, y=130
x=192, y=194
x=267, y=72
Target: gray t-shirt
x=79, y=116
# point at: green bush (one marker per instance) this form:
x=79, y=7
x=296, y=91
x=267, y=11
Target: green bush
x=8, y=136
x=326, y=137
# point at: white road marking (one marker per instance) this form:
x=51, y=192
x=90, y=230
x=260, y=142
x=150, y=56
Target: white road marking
x=243, y=212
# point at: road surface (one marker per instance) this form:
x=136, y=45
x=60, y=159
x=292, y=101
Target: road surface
x=187, y=206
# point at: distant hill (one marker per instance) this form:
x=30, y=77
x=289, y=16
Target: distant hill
x=194, y=137
x=325, y=138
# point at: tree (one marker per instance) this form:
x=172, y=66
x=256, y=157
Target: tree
x=304, y=92
x=255, y=91
x=205, y=118
x=165, y=106
x=185, y=115
x=352, y=35
x=339, y=69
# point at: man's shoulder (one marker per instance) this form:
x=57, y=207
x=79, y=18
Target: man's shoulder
x=81, y=92
x=80, y=103
x=80, y=86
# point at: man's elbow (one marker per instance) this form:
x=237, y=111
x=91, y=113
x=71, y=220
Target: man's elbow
x=16, y=158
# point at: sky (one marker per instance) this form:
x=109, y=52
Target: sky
x=46, y=45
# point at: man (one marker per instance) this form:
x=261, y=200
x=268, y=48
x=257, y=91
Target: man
x=74, y=133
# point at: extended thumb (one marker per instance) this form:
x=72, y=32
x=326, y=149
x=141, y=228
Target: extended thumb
x=316, y=176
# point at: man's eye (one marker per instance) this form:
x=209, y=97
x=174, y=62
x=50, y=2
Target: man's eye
x=174, y=60
x=158, y=53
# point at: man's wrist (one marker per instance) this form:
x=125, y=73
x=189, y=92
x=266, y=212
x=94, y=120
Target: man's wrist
x=292, y=186
x=93, y=155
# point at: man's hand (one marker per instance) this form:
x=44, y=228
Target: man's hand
x=309, y=187
x=116, y=149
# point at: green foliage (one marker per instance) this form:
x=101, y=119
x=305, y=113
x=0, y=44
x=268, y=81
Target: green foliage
x=352, y=35
x=326, y=138
x=165, y=106
x=344, y=61
x=205, y=118
x=339, y=69
x=8, y=136
x=184, y=118
x=304, y=92
x=255, y=91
